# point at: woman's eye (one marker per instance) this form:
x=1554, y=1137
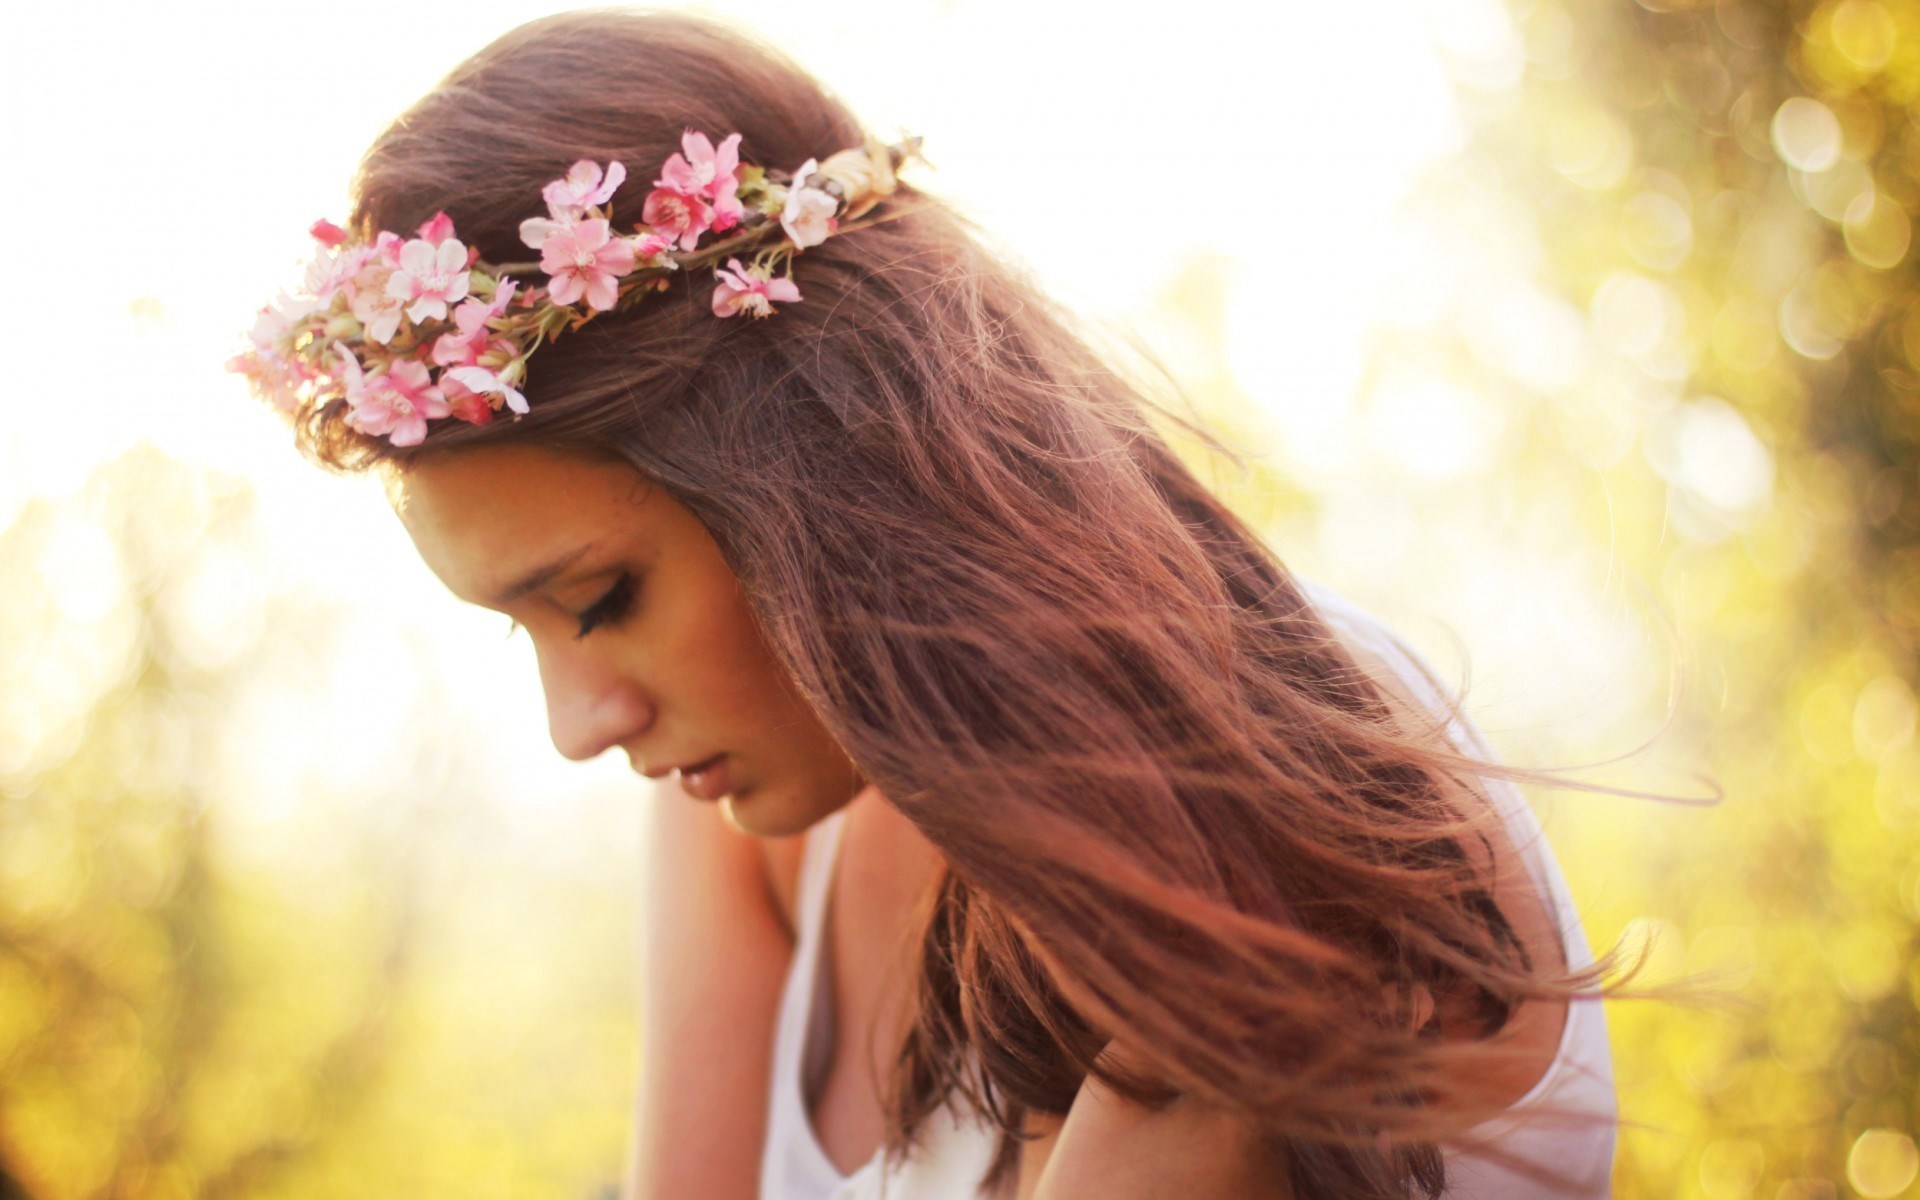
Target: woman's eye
x=609, y=608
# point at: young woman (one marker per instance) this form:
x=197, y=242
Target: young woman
x=1087, y=853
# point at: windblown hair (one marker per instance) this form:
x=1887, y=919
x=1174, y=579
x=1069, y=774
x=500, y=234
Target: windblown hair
x=1175, y=811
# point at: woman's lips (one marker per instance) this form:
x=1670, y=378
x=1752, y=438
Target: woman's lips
x=708, y=780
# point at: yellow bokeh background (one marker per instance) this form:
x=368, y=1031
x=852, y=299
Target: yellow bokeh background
x=1579, y=340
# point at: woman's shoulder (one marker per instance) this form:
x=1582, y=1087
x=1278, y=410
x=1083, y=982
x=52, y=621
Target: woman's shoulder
x=1524, y=878
x=1355, y=624
x=1388, y=659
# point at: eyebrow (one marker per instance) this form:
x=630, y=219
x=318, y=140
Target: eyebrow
x=539, y=577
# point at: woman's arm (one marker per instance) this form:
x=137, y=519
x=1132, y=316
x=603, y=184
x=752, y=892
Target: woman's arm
x=1109, y=1148
x=714, y=954
x=1113, y=1149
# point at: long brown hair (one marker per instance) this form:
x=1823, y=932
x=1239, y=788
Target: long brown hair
x=1174, y=809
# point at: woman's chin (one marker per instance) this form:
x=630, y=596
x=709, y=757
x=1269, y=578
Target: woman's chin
x=763, y=813
x=775, y=812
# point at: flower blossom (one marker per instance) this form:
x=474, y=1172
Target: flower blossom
x=273, y=377
x=392, y=330
x=471, y=333
x=430, y=277
x=274, y=328
x=700, y=168
x=367, y=295
x=808, y=216
x=698, y=190
x=377, y=311
x=463, y=402
x=751, y=290
x=584, y=186
x=584, y=259
x=386, y=249
x=534, y=231
x=273, y=368
x=327, y=233
x=481, y=382
x=677, y=215
x=395, y=405
x=711, y=174
x=436, y=229
x=650, y=245
x=331, y=269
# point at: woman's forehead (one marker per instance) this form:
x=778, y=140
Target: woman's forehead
x=520, y=485
x=486, y=519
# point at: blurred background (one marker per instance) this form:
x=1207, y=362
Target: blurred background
x=1579, y=340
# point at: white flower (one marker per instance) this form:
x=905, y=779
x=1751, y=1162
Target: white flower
x=535, y=231
x=484, y=382
x=808, y=215
x=430, y=278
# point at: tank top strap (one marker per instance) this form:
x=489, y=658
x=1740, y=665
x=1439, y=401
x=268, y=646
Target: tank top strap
x=817, y=856
x=793, y=1166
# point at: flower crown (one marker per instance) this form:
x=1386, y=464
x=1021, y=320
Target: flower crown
x=405, y=330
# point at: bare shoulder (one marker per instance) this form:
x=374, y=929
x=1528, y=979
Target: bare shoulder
x=715, y=950
x=1515, y=1059
x=1109, y=1147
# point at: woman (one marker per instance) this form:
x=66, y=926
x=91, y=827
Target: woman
x=1089, y=854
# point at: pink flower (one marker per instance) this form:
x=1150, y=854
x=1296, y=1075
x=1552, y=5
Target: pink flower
x=462, y=347
x=480, y=381
x=751, y=290
x=470, y=406
x=386, y=249
x=708, y=174
x=331, y=270
x=702, y=167
x=808, y=216
x=677, y=215
x=585, y=259
x=396, y=405
x=437, y=229
x=274, y=378
x=430, y=277
x=649, y=245
x=727, y=214
x=352, y=379
x=327, y=233
x=374, y=308
x=274, y=328
x=367, y=295
x=369, y=300
x=583, y=187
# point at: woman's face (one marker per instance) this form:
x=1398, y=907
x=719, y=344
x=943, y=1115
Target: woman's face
x=644, y=639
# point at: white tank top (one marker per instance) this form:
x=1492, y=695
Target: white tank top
x=1554, y=1143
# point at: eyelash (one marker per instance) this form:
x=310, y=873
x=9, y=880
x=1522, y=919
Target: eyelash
x=613, y=605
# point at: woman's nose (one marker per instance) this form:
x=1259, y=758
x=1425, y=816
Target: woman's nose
x=590, y=707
